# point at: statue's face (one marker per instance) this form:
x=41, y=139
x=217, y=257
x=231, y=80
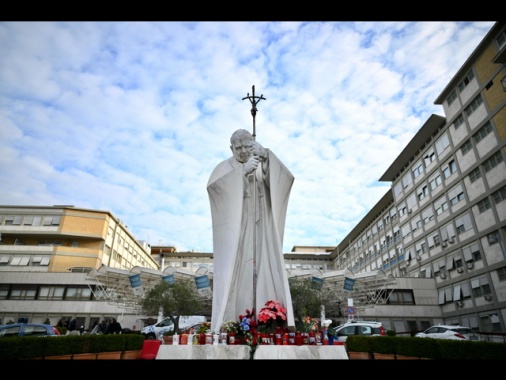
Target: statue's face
x=242, y=149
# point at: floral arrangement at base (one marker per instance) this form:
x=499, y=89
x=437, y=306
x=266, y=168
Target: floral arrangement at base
x=248, y=328
x=205, y=327
x=309, y=324
x=230, y=327
x=271, y=316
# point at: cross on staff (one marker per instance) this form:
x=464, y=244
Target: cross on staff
x=254, y=101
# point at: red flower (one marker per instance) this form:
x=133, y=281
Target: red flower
x=272, y=311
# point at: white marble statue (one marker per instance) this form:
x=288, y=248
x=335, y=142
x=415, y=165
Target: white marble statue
x=235, y=204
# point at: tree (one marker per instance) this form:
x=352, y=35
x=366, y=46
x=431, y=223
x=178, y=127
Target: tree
x=174, y=300
x=307, y=299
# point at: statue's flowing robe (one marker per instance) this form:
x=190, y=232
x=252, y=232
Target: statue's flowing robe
x=235, y=204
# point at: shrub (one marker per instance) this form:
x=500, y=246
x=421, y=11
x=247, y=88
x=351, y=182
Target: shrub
x=383, y=344
x=359, y=343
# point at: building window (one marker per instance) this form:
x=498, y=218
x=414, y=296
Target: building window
x=23, y=292
x=458, y=121
x=466, y=147
x=4, y=292
x=435, y=182
x=51, y=221
x=418, y=169
x=475, y=175
x=469, y=77
x=463, y=223
x=478, y=101
x=501, y=40
x=493, y=161
x=501, y=274
x=493, y=238
x=480, y=287
x=483, y=132
x=423, y=192
x=449, y=168
x=452, y=97
x=51, y=293
x=441, y=205
x=484, y=205
x=20, y=260
x=401, y=297
x=429, y=157
x=456, y=194
x=499, y=195
x=472, y=253
x=442, y=143
x=75, y=293
x=41, y=260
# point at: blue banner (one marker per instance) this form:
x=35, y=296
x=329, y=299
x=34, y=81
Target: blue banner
x=136, y=284
x=203, y=285
x=169, y=279
x=349, y=283
x=317, y=283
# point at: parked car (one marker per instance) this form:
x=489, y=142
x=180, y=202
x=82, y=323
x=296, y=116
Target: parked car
x=370, y=328
x=448, y=332
x=158, y=329
x=28, y=329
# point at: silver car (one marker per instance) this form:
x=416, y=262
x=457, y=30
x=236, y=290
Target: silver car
x=448, y=332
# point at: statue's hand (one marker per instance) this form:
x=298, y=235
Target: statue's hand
x=258, y=150
x=251, y=165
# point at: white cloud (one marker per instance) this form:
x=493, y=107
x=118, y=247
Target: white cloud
x=133, y=116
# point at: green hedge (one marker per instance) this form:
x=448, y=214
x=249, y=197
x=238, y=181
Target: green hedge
x=443, y=349
x=39, y=347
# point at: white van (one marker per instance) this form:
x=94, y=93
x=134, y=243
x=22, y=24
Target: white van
x=156, y=331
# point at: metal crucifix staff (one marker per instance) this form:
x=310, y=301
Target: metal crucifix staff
x=254, y=101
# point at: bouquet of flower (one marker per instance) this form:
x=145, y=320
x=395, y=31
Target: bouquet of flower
x=271, y=316
x=204, y=328
x=230, y=327
x=309, y=324
x=247, y=327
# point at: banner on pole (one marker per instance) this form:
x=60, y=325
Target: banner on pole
x=349, y=283
x=169, y=279
x=317, y=283
x=136, y=284
x=203, y=285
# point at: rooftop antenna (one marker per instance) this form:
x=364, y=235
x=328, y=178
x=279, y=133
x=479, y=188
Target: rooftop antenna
x=254, y=101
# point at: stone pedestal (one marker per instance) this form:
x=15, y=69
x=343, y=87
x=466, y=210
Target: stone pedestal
x=243, y=352
x=207, y=351
x=301, y=352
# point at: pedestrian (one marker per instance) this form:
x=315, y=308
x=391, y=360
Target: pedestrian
x=47, y=322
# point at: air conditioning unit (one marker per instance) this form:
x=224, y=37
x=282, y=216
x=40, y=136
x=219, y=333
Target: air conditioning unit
x=442, y=275
x=460, y=270
x=444, y=244
x=418, y=258
x=408, y=262
x=470, y=265
x=488, y=297
x=451, y=241
x=459, y=303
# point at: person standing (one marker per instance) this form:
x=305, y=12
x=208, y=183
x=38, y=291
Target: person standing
x=248, y=195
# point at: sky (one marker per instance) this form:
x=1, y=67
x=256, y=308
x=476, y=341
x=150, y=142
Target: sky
x=132, y=117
